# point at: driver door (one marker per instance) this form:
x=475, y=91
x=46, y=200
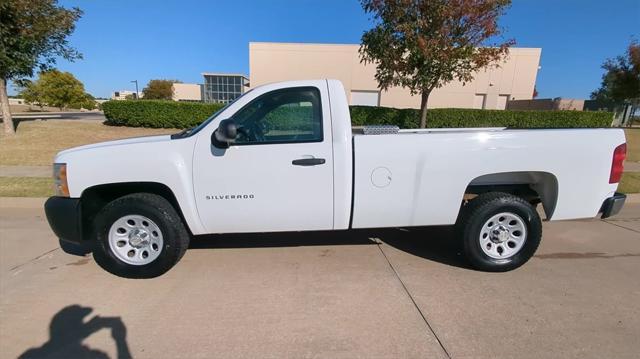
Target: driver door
x=278, y=175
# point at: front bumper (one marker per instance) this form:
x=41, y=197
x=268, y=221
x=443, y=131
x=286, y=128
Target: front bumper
x=64, y=218
x=612, y=205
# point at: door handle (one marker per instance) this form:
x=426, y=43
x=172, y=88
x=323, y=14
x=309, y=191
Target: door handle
x=308, y=162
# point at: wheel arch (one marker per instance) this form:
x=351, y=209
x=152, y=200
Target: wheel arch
x=534, y=186
x=96, y=197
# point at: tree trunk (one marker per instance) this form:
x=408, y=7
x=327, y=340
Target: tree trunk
x=6, y=112
x=423, y=108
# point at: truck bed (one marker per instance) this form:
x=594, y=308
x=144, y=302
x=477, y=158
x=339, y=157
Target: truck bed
x=419, y=177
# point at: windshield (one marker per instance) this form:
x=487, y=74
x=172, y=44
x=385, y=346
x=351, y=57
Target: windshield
x=192, y=131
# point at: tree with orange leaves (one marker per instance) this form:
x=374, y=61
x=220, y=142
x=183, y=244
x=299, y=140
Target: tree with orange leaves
x=424, y=44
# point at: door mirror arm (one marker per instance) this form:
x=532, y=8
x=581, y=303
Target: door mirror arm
x=225, y=134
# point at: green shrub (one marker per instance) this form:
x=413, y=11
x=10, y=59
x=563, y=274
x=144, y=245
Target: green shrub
x=456, y=117
x=171, y=114
x=157, y=113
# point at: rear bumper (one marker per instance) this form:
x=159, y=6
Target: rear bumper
x=63, y=215
x=612, y=205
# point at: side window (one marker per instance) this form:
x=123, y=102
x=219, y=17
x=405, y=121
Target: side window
x=282, y=116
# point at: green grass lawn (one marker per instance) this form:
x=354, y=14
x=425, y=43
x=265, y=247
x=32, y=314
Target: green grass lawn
x=36, y=142
x=630, y=182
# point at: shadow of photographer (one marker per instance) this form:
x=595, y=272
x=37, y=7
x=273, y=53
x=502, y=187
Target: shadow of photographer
x=68, y=329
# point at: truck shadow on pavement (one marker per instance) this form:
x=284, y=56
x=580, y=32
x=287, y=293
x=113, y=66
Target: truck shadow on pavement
x=438, y=244
x=280, y=239
x=68, y=329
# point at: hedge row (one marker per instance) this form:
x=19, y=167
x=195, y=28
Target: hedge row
x=458, y=117
x=170, y=114
x=157, y=113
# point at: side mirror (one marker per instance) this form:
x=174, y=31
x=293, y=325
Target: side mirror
x=225, y=134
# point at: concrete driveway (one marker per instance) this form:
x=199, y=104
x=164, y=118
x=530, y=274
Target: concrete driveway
x=368, y=294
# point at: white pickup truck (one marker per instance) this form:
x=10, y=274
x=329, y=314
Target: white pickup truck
x=284, y=157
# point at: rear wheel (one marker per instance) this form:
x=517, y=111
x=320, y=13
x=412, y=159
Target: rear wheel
x=500, y=231
x=139, y=236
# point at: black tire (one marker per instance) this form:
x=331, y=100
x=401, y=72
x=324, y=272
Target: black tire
x=159, y=210
x=477, y=212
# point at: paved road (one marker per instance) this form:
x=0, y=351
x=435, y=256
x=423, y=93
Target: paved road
x=97, y=116
x=368, y=294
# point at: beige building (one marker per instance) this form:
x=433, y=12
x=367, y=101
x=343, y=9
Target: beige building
x=122, y=95
x=187, y=92
x=491, y=89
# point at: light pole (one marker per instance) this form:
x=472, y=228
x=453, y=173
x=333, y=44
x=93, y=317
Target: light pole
x=136, y=82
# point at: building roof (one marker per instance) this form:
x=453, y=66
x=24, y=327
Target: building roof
x=223, y=74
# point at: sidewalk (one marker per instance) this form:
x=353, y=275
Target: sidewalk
x=26, y=171
x=631, y=166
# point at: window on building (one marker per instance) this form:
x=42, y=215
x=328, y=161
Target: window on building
x=365, y=98
x=223, y=88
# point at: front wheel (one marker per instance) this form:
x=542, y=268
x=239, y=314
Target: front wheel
x=139, y=236
x=500, y=231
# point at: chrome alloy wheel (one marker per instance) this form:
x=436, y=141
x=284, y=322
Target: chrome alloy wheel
x=135, y=240
x=503, y=235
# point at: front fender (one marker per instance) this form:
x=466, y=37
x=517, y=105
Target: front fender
x=167, y=162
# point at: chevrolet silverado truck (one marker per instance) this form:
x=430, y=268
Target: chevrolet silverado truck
x=284, y=157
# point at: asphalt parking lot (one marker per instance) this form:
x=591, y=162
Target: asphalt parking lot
x=370, y=294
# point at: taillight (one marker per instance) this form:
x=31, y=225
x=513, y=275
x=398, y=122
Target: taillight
x=617, y=164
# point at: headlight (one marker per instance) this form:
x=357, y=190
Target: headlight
x=60, y=179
